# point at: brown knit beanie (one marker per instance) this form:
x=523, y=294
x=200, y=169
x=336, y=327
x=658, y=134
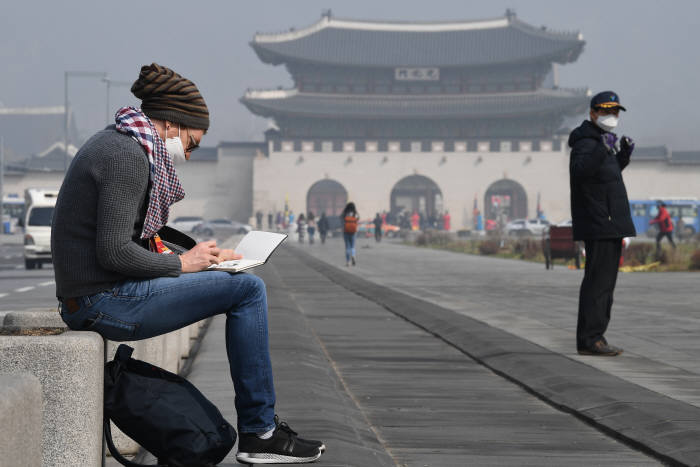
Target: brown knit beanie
x=168, y=96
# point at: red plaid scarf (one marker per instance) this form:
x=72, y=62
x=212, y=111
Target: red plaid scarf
x=165, y=186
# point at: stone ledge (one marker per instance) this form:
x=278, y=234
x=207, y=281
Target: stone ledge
x=70, y=369
x=20, y=412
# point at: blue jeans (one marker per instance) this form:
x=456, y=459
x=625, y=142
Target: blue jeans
x=139, y=309
x=349, y=245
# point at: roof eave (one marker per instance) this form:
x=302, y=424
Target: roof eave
x=562, y=56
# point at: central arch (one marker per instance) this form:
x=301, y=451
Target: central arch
x=505, y=197
x=326, y=196
x=416, y=193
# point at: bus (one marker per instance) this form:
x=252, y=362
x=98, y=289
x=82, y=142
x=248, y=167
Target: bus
x=643, y=211
x=12, y=212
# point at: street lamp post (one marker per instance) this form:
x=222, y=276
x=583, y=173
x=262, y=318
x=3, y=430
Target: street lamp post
x=2, y=187
x=110, y=83
x=66, y=75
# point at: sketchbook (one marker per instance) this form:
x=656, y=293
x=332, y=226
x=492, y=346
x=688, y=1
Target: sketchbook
x=256, y=247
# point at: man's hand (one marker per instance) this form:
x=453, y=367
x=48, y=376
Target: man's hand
x=627, y=144
x=228, y=255
x=200, y=257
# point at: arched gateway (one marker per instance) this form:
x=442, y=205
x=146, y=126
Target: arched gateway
x=416, y=193
x=507, y=197
x=326, y=196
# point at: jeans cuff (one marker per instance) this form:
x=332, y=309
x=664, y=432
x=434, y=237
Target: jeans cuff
x=256, y=430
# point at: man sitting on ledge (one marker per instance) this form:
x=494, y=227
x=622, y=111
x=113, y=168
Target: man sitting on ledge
x=117, y=277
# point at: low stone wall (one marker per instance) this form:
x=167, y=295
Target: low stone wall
x=21, y=414
x=69, y=367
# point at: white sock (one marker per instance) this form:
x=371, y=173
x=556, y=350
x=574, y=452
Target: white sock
x=266, y=435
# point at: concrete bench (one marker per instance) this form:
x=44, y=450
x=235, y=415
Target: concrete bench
x=70, y=367
x=21, y=414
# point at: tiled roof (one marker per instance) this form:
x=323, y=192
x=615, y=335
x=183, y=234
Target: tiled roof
x=650, y=153
x=363, y=43
x=685, y=157
x=274, y=103
x=205, y=154
x=29, y=131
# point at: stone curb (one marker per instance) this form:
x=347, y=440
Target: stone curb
x=70, y=369
x=651, y=422
x=165, y=351
x=20, y=412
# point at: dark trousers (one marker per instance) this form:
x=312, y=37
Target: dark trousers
x=596, y=296
x=660, y=236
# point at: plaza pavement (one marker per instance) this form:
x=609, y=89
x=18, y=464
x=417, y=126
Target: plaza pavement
x=390, y=390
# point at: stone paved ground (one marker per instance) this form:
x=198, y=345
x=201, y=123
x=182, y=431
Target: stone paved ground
x=381, y=391
x=655, y=318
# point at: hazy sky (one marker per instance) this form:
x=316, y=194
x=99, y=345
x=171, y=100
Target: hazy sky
x=645, y=50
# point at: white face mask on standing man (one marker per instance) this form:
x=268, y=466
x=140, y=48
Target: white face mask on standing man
x=607, y=122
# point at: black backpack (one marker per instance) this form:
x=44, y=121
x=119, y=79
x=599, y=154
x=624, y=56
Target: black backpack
x=164, y=413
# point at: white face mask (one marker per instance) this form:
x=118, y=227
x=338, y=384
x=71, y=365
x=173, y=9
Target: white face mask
x=175, y=148
x=607, y=122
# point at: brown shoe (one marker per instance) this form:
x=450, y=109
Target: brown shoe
x=601, y=349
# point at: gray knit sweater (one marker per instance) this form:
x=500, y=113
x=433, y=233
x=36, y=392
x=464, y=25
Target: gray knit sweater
x=95, y=235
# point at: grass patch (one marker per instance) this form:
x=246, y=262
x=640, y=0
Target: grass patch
x=686, y=257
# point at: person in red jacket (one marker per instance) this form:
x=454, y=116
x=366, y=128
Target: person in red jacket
x=446, y=221
x=663, y=219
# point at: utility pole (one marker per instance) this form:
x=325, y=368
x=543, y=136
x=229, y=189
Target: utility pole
x=2, y=186
x=66, y=75
x=110, y=83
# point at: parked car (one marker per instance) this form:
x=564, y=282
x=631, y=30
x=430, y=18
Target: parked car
x=519, y=227
x=367, y=228
x=37, y=226
x=185, y=223
x=220, y=227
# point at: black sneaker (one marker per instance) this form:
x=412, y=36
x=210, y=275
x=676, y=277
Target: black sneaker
x=602, y=349
x=283, y=447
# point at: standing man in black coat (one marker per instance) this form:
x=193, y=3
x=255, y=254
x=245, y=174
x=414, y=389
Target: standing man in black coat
x=601, y=217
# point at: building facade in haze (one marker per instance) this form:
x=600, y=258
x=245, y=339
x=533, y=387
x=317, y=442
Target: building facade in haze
x=415, y=116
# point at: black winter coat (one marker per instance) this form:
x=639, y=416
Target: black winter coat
x=599, y=205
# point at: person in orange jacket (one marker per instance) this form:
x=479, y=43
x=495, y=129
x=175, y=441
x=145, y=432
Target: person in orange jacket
x=663, y=219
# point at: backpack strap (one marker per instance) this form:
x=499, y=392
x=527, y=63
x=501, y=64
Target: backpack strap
x=123, y=353
x=113, y=449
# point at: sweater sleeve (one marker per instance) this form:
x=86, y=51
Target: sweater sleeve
x=585, y=160
x=122, y=182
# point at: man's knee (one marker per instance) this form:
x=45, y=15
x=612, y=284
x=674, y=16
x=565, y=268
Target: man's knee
x=255, y=285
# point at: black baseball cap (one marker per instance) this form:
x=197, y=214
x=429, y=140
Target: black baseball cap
x=606, y=100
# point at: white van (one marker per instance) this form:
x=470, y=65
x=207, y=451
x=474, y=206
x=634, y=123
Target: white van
x=39, y=206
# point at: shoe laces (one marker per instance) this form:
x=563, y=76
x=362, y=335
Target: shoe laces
x=284, y=427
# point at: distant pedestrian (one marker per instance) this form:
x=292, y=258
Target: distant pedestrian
x=601, y=216
x=270, y=219
x=663, y=220
x=278, y=221
x=378, y=228
x=301, y=227
x=350, y=219
x=323, y=227
x=311, y=227
x=446, y=221
x=259, y=220
x=415, y=221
